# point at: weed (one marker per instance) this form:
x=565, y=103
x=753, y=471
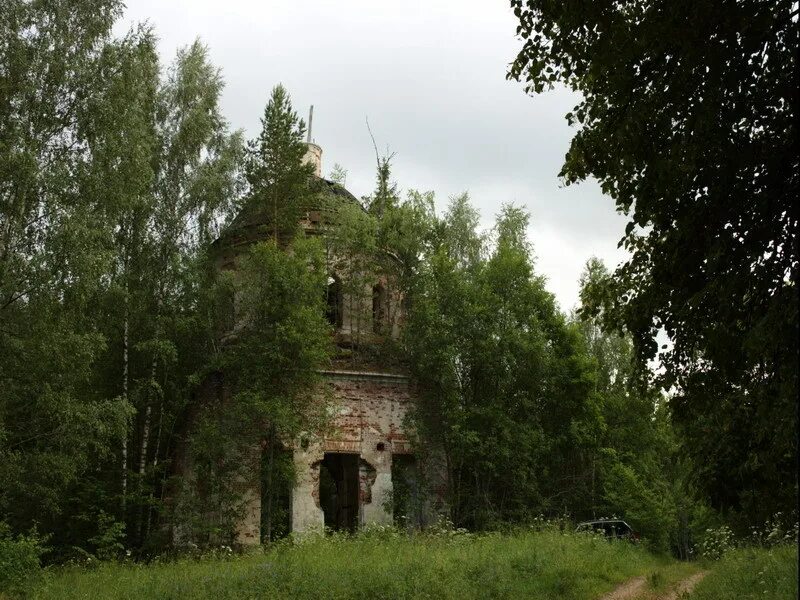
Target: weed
x=656, y=580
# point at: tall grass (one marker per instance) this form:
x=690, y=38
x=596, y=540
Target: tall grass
x=378, y=564
x=767, y=573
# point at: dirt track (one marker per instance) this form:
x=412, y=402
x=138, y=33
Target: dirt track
x=685, y=586
x=633, y=588
x=628, y=590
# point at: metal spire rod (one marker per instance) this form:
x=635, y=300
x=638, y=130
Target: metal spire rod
x=310, y=117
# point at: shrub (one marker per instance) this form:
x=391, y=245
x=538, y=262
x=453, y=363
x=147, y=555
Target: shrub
x=19, y=559
x=108, y=541
x=716, y=543
x=776, y=531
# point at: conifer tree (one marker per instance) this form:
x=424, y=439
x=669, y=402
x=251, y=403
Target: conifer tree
x=386, y=194
x=278, y=179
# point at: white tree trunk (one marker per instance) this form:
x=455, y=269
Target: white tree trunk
x=124, y=465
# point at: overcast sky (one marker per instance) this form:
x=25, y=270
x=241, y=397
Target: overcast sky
x=430, y=76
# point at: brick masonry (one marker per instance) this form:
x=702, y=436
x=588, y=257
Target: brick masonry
x=371, y=410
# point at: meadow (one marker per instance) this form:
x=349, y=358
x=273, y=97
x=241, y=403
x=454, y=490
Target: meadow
x=383, y=563
x=379, y=564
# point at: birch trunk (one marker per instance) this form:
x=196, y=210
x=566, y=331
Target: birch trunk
x=146, y=426
x=154, y=466
x=124, y=465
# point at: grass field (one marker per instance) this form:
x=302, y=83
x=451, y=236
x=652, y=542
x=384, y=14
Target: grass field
x=390, y=565
x=752, y=573
x=384, y=565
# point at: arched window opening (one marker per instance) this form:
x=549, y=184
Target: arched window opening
x=379, y=300
x=333, y=302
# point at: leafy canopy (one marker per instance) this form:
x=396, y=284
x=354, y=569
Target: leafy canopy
x=688, y=121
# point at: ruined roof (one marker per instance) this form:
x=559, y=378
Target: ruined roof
x=249, y=224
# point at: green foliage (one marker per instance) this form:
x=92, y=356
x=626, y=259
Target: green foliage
x=640, y=502
x=19, y=560
x=108, y=542
x=338, y=175
x=209, y=503
x=381, y=564
x=278, y=478
x=716, y=543
x=638, y=470
x=112, y=182
x=129, y=351
x=277, y=178
x=61, y=125
x=504, y=380
x=693, y=134
x=377, y=246
x=775, y=531
x=281, y=338
x=750, y=573
x=271, y=366
x=159, y=277
x=352, y=249
x=386, y=195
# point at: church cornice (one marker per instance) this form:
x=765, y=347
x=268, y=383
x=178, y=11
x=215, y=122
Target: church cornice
x=380, y=377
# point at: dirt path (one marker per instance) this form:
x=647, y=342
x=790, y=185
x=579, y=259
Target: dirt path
x=635, y=587
x=628, y=590
x=685, y=586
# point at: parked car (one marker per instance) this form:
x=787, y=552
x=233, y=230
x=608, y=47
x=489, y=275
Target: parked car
x=611, y=528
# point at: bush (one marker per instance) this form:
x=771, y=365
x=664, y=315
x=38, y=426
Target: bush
x=777, y=531
x=716, y=543
x=19, y=560
x=108, y=541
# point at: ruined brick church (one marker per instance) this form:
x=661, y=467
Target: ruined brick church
x=346, y=477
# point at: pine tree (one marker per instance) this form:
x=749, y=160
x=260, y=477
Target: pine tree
x=278, y=179
x=386, y=194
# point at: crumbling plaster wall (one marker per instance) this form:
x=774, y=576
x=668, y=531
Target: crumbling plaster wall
x=371, y=409
x=248, y=529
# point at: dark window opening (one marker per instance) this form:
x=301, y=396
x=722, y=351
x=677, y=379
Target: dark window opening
x=339, y=490
x=405, y=306
x=378, y=308
x=333, y=302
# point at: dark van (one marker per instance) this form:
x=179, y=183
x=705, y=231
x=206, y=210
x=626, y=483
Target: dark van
x=610, y=528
